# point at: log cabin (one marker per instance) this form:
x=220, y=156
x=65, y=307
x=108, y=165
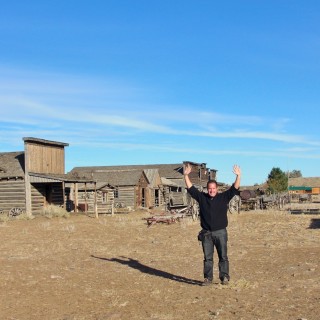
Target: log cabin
x=34, y=178
x=147, y=186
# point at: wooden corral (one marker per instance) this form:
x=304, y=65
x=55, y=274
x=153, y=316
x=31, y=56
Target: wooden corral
x=250, y=199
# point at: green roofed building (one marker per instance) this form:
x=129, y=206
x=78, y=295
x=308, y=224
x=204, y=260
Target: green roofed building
x=297, y=188
x=304, y=185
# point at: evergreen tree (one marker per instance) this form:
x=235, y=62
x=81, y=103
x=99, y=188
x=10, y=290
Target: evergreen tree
x=277, y=180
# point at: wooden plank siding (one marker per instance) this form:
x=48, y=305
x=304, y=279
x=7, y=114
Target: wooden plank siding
x=146, y=186
x=34, y=178
x=12, y=194
x=143, y=197
x=45, y=158
x=104, y=200
x=126, y=196
x=199, y=175
x=154, y=198
x=155, y=195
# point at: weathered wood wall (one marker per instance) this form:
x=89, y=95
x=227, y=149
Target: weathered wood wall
x=12, y=194
x=155, y=194
x=143, y=197
x=126, y=196
x=154, y=201
x=178, y=198
x=86, y=198
x=39, y=197
x=45, y=158
x=199, y=175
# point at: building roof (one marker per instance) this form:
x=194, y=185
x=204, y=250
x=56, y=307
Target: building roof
x=123, y=175
x=313, y=182
x=152, y=175
x=53, y=177
x=295, y=188
x=46, y=142
x=11, y=164
x=168, y=182
x=112, y=177
x=165, y=170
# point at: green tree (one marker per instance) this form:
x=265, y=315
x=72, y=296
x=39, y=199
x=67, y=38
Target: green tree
x=277, y=180
x=295, y=174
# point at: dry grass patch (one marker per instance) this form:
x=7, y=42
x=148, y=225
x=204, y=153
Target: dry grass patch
x=53, y=211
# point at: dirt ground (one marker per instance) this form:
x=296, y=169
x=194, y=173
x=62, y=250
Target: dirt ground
x=115, y=267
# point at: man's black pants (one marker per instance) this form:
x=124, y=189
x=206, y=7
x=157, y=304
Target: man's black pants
x=218, y=239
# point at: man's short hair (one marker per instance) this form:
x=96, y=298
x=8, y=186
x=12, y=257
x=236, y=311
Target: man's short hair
x=212, y=181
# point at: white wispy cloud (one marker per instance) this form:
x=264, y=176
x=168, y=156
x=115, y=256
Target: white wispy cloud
x=49, y=101
x=168, y=148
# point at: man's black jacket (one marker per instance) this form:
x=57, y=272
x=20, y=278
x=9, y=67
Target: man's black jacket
x=213, y=210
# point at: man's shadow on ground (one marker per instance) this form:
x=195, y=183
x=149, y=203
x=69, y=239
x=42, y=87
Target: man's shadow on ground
x=314, y=224
x=135, y=264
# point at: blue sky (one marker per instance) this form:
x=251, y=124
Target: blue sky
x=159, y=81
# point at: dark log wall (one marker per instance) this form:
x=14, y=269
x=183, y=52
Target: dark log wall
x=45, y=194
x=126, y=196
x=199, y=175
x=88, y=199
x=12, y=194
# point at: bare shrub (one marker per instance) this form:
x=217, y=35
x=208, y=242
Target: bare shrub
x=70, y=228
x=53, y=211
x=4, y=218
x=24, y=216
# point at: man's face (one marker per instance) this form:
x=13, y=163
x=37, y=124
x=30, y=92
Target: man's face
x=212, y=189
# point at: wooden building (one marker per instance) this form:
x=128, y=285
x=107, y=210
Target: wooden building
x=90, y=197
x=34, y=178
x=12, y=184
x=158, y=185
x=133, y=188
x=302, y=185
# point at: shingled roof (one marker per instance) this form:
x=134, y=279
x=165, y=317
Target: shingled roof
x=113, y=177
x=169, y=171
x=11, y=164
x=45, y=142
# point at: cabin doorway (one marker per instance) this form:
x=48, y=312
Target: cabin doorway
x=143, y=197
x=48, y=194
x=156, y=197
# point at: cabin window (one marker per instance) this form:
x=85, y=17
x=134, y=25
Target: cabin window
x=116, y=192
x=104, y=197
x=175, y=189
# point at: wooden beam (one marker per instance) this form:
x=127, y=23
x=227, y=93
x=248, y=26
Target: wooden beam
x=76, y=202
x=95, y=201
